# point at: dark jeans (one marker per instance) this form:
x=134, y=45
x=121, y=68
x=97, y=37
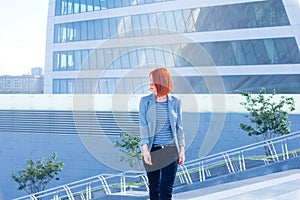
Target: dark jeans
x=161, y=175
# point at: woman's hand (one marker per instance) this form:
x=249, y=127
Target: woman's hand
x=147, y=158
x=146, y=155
x=181, y=156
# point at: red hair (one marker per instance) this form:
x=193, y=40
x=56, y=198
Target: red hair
x=162, y=80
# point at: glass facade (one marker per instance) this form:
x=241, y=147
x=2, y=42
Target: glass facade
x=238, y=16
x=67, y=7
x=284, y=84
x=226, y=53
x=239, y=52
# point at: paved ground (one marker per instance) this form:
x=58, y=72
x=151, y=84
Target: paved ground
x=277, y=186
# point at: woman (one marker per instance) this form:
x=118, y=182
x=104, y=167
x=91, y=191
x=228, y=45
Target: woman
x=162, y=136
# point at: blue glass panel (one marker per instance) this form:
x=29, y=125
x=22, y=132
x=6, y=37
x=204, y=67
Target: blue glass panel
x=108, y=57
x=111, y=84
x=136, y=25
x=162, y=24
x=293, y=50
x=70, y=7
x=113, y=27
x=90, y=5
x=168, y=54
x=71, y=60
x=98, y=30
x=58, y=4
x=63, y=33
x=91, y=30
x=189, y=20
x=63, y=61
x=102, y=85
x=87, y=87
x=238, y=53
x=125, y=63
x=76, y=6
x=159, y=55
x=100, y=59
x=282, y=50
x=78, y=86
x=120, y=26
x=70, y=86
x=64, y=7
x=110, y=4
x=133, y=58
x=128, y=26
x=153, y=23
x=97, y=5
x=84, y=59
x=116, y=58
x=93, y=60
x=83, y=30
x=271, y=51
x=55, y=86
x=103, y=4
x=83, y=7
x=150, y=56
x=249, y=52
x=145, y=24
x=77, y=59
x=179, y=21
x=70, y=32
x=76, y=27
x=56, y=61
x=148, y=1
x=63, y=87
x=170, y=20
x=57, y=33
x=140, y=2
x=105, y=28
x=260, y=52
x=118, y=3
x=120, y=86
x=126, y=3
x=141, y=57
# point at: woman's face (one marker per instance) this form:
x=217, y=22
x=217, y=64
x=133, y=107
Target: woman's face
x=152, y=87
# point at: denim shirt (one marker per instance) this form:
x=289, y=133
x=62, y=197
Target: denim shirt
x=147, y=116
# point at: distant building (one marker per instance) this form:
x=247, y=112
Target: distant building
x=25, y=84
x=37, y=71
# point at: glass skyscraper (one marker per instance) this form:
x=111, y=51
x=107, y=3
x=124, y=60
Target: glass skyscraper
x=99, y=46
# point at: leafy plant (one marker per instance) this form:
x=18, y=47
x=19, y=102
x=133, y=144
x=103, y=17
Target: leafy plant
x=267, y=117
x=37, y=175
x=130, y=146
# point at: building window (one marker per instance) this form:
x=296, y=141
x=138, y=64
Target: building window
x=67, y=7
x=227, y=17
x=225, y=53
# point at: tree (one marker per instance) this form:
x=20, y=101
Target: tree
x=37, y=175
x=130, y=145
x=268, y=117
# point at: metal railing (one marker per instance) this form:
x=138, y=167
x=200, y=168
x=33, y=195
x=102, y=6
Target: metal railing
x=227, y=162
x=242, y=158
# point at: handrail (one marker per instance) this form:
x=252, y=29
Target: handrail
x=246, y=147
x=184, y=171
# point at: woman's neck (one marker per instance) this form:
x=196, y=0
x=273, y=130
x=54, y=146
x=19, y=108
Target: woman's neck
x=161, y=98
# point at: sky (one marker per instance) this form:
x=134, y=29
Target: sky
x=23, y=25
